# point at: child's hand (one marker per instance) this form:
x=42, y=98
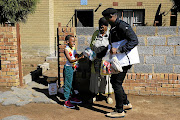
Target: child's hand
x=81, y=57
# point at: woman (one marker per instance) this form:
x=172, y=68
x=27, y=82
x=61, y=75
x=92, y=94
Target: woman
x=99, y=44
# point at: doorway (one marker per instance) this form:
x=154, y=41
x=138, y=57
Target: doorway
x=84, y=18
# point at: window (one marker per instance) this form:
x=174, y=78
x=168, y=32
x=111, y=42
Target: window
x=84, y=18
x=173, y=17
x=132, y=17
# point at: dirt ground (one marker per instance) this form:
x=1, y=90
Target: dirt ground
x=144, y=107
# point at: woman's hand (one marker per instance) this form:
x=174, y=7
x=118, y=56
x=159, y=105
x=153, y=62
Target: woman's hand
x=113, y=50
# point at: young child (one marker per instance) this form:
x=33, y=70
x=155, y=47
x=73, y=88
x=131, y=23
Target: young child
x=69, y=68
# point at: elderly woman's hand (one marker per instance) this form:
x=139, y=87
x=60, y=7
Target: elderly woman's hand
x=113, y=50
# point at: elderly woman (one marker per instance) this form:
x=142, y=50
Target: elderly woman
x=99, y=44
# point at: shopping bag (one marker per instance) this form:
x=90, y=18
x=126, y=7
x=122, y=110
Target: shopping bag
x=89, y=54
x=107, y=68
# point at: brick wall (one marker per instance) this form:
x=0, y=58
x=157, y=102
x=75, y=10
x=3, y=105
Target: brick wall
x=68, y=9
x=152, y=84
x=62, y=32
x=9, y=73
x=38, y=33
x=159, y=50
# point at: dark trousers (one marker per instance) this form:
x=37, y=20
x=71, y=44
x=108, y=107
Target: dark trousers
x=120, y=95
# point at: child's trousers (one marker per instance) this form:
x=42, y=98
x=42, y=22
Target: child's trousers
x=68, y=72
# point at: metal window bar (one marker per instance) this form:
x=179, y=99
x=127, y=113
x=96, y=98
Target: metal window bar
x=71, y=21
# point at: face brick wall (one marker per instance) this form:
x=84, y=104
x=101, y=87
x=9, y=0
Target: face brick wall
x=9, y=73
x=62, y=32
x=38, y=33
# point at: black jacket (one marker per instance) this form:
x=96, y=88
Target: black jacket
x=123, y=31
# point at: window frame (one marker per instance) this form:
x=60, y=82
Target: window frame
x=133, y=11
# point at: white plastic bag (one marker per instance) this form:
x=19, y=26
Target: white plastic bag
x=89, y=54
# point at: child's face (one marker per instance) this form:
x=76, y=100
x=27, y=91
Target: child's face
x=71, y=42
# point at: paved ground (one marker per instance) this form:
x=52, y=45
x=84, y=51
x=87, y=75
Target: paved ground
x=33, y=102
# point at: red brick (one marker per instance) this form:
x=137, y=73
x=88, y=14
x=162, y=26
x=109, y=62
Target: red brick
x=142, y=76
x=1, y=43
x=128, y=75
x=156, y=92
x=162, y=81
x=115, y=3
x=128, y=88
x=62, y=38
x=174, y=89
x=146, y=76
x=177, y=93
x=167, y=85
x=167, y=93
x=130, y=81
x=61, y=50
x=5, y=69
x=126, y=84
x=139, y=3
x=138, y=84
x=151, y=81
x=145, y=92
x=59, y=24
x=1, y=36
x=9, y=35
x=161, y=89
x=140, y=81
x=62, y=55
x=154, y=76
x=139, y=88
x=138, y=76
x=173, y=81
x=154, y=85
x=162, y=76
x=170, y=76
x=133, y=76
x=62, y=46
x=61, y=66
x=176, y=85
x=62, y=63
x=133, y=92
x=61, y=70
x=166, y=76
x=61, y=75
x=175, y=77
x=158, y=76
x=150, y=89
x=68, y=29
x=2, y=80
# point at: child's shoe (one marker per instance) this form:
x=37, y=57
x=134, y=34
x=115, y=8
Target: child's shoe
x=68, y=104
x=75, y=100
